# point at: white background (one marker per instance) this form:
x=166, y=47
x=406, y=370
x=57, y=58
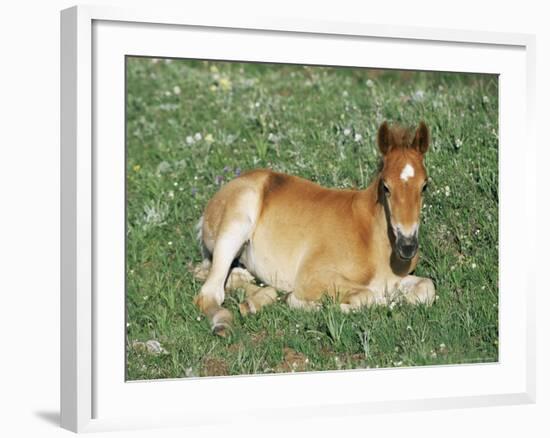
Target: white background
x=29, y=216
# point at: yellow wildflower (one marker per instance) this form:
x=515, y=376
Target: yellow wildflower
x=225, y=84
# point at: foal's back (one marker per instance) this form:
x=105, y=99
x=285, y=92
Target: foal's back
x=295, y=221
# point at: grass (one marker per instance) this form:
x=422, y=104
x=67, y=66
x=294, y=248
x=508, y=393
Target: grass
x=193, y=125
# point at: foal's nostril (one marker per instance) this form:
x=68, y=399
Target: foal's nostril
x=407, y=249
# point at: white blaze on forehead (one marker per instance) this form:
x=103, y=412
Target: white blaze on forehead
x=407, y=172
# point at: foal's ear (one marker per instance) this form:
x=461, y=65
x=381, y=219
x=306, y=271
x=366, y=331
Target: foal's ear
x=421, y=138
x=384, y=138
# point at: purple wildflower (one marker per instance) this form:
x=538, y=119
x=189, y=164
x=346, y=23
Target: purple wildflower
x=193, y=191
x=226, y=169
x=218, y=180
x=238, y=171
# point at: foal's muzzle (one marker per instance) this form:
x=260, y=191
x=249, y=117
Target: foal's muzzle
x=406, y=246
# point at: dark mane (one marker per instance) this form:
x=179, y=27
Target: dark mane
x=400, y=137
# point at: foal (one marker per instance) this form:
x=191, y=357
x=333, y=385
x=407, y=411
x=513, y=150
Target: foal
x=358, y=247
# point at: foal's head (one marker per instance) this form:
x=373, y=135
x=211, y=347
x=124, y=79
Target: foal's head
x=403, y=179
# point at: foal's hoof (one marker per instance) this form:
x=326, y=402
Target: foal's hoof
x=222, y=330
x=246, y=308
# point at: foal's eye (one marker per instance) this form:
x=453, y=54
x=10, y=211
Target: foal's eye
x=386, y=189
x=425, y=186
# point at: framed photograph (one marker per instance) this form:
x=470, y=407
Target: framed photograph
x=298, y=218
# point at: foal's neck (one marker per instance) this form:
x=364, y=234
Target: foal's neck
x=368, y=208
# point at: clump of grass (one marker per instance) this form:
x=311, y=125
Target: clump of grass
x=335, y=321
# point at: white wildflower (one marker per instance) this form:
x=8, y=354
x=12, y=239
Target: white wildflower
x=347, y=132
x=198, y=136
x=189, y=140
x=418, y=95
x=358, y=137
x=163, y=167
x=176, y=90
x=369, y=83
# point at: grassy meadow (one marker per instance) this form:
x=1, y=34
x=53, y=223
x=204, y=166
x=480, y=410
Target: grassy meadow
x=193, y=125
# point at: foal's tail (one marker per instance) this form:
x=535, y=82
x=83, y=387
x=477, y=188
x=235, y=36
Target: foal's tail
x=206, y=254
x=201, y=270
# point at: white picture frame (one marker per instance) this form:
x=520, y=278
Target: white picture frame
x=94, y=395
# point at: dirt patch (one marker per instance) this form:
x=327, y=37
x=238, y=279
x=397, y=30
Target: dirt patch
x=356, y=360
x=234, y=348
x=292, y=361
x=257, y=338
x=214, y=366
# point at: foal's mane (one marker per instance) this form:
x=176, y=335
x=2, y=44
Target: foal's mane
x=400, y=138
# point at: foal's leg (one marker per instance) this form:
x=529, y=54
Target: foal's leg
x=361, y=296
x=239, y=278
x=312, y=284
x=239, y=220
x=236, y=278
x=417, y=290
x=256, y=296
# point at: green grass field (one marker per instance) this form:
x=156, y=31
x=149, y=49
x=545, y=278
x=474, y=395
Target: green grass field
x=192, y=126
